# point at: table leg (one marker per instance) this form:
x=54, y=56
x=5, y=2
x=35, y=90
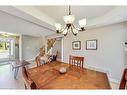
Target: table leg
x=12, y=68
x=16, y=72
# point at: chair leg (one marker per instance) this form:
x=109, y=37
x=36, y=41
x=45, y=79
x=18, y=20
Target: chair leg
x=25, y=86
x=12, y=68
x=16, y=72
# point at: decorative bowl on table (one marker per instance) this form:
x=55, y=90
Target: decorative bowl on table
x=62, y=70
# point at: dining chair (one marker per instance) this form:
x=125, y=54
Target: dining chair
x=28, y=83
x=76, y=61
x=37, y=61
x=123, y=83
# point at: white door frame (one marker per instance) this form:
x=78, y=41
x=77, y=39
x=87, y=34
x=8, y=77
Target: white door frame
x=62, y=50
x=62, y=43
x=20, y=47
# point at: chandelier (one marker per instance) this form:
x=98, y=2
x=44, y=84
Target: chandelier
x=69, y=26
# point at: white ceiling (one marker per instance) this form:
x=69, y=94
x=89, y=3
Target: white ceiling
x=57, y=12
x=12, y=23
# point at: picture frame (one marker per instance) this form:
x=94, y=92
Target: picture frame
x=91, y=44
x=76, y=45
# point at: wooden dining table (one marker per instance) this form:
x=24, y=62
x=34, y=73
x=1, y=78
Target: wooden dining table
x=48, y=77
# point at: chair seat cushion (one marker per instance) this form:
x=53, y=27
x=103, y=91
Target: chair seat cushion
x=43, y=59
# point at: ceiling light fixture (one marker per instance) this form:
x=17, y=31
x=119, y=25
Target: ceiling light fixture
x=69, y=27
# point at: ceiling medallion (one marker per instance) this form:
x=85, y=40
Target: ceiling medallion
x=69, y=26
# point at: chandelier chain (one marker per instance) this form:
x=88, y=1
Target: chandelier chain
x=69, y=10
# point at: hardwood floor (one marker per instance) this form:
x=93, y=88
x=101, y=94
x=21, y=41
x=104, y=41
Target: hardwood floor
x=7, y=80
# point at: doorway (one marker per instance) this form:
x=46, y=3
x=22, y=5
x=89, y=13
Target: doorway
x=6, y=49
x=54, y=45
x=9, y=47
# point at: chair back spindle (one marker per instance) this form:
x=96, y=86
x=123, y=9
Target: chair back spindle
x=76, y=61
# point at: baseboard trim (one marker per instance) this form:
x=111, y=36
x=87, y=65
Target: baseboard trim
x=109, y=78
x=96, y=69
x=58, y=59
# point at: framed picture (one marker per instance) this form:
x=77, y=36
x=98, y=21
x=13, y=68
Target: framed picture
x=76, y=45
x=91, y=44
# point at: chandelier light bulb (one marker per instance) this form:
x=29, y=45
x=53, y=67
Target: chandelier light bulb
x=58, y=26
x=65, y=32
x=82, y=23
x=75, y=31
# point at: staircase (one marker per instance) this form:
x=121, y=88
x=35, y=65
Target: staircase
x=50, y=43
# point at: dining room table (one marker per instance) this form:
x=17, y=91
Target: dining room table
x=48, y=76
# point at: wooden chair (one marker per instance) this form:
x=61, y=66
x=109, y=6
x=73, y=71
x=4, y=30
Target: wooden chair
x=123, y=83
x=29, y=84
x=76, y=61
x=37, y=60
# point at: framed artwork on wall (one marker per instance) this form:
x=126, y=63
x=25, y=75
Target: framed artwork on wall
x=91, y=44
x=76, y=45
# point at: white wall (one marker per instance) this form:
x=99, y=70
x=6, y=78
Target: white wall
x=30, y=46
x=110, y=55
